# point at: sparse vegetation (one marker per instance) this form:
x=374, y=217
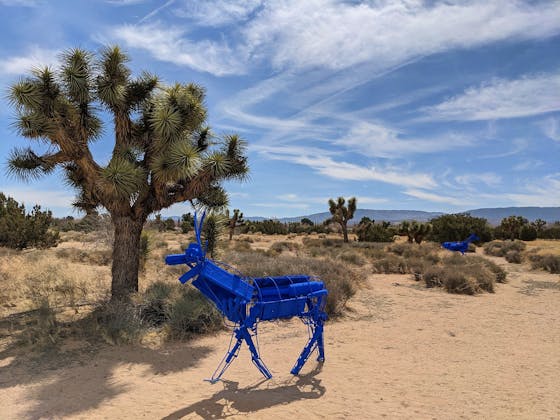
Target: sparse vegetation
x=502, y=248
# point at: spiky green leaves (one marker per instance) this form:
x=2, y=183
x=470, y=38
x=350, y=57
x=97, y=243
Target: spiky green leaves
x=122, y=178
x=342, y=213
x=26, y=164
x=181, y=161
x=112, y=82
x=76, y=75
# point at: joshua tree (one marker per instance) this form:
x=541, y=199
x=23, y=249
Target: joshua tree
x=539, y=224
x=235, y=221
x=512, y=226
x=162, y=151
x=307, y=222
x=342, y=214
x=415, y=231
x=187, y=223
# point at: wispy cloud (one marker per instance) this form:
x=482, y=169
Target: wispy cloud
x=21, y=64
x=217, y=12
x=551, y=128
x=377, y=140
x=338, y=169
x=528, y=164
x=438, y=198
x=530, y=95
x=169, y=44
x=488, y=178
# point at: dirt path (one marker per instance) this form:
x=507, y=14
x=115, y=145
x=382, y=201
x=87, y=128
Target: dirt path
x=403, y=352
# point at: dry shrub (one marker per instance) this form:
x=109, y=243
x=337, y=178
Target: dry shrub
x=242, y=246
x=281, y=246
x=119, y=322
x=352, y=257
x=501, y=248
x=189, y=313
x=547, y=262
x=339, y=280
x=514, y=257
x=323, y=243
x=434, y=277
x=48, y=289
x=90, y=256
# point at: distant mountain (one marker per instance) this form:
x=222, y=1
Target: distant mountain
x=493, y=215
x=393, y=216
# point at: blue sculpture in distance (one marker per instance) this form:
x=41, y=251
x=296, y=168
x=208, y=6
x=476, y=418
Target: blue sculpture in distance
x=461, y=246
x=246, y=301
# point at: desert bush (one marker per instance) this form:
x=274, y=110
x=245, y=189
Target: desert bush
x=455, y=282
x=499, y=273
x=48, y=288
x=191, y=313
x=528, y=233
x=434, y=276
x=352, y=257
x=514, y=257
x=501, y=248
x=119, y=322
x=154, y=303
x=281, y=246
x=457, y=227
x=339, y=279
x=242, y=246
x=19, y=229
x=90, y=256
x=547, y=262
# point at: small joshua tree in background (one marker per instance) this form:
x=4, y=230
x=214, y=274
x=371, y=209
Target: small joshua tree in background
x=234, y=221
x=212, y=232
x=187, y=222
x=341, y=213
x=511, y=226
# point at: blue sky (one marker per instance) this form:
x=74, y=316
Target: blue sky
x=426, y=105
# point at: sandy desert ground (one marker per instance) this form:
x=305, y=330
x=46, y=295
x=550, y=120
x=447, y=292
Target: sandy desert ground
x=402, y=351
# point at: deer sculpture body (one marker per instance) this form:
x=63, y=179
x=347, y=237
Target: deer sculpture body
x=461, y=246
x=247, y=301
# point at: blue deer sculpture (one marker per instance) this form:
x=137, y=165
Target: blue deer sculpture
x=247, y=301
x=461, y=246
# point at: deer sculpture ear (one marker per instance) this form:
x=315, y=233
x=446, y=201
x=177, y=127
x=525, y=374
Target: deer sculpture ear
x=198, y=229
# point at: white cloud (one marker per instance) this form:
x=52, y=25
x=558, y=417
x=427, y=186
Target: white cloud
x=45, y=198
x=377, y=140
x=24, y=3
x=22, y=64
x=530, y=95
x=488, y=178
x=168, y=44
x=335, y=35
x=528, y=164
x=544, y=192
x=551, y=128
x=337, y=169
x=438, y=198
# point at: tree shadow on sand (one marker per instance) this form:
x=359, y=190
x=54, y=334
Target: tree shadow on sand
x=65, y=382
x=232, y=400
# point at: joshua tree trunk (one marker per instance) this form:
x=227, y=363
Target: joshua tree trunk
x=345, y=231
x=126, y=256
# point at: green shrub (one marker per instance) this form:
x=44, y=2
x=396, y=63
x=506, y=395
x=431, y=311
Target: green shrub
x=119, y=322
x=457, y=227
x=19, y=229
x=528, y=233
x=191, y=313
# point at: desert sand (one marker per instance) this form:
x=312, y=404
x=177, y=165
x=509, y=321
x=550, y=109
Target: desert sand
x=402, y=351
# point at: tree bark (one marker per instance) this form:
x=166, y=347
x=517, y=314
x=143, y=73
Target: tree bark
x=126, y=257
x=345, y=231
